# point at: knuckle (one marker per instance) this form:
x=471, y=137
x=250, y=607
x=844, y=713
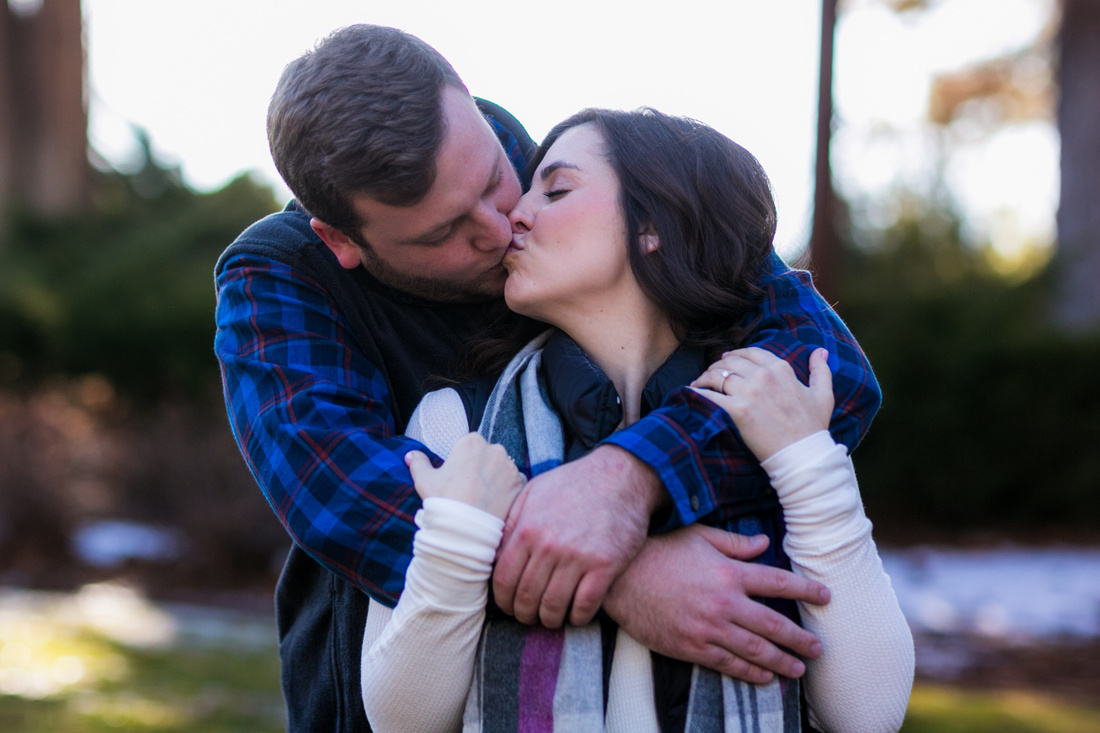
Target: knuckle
x=502, y=590
x=552, y=608
x=755, y=647
x=696, y=633
x=528, y=535
x=731, y=664
x=525, y=599
x=554, y=621
x=584, y=608
x=742, y=669
x=781, y=583
x=773, y=625
x=727, y=577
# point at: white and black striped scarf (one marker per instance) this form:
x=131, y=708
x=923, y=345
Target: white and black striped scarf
x=539, y=680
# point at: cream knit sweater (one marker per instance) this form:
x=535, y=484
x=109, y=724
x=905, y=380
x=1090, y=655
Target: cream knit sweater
x=418, y=660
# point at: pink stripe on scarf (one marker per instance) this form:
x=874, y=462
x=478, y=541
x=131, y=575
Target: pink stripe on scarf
x=538, y=679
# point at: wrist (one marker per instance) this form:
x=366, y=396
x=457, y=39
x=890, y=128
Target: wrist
x=630, y=477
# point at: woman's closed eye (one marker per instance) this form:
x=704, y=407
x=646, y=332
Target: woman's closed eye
x=555, y=193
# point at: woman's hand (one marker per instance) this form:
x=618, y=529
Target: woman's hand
x=477, y=473
x=770, y=407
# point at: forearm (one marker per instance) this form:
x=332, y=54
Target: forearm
x=416, y=672
x=862, y=680
x=312, y=417
x=794, y=321
x=682, y=444
x=690, y=443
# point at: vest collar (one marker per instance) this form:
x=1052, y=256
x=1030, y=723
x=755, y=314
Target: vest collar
x=585, y=397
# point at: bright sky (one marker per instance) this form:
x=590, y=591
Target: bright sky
x=197, y=75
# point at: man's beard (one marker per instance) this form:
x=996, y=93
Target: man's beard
x=491, y=285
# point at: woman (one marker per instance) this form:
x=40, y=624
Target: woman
x=640, y=241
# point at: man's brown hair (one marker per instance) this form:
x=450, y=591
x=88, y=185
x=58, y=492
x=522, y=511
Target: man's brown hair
x=360, y=113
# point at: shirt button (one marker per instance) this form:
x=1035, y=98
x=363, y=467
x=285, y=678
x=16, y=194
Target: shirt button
x=618, y=401
x=695, y=503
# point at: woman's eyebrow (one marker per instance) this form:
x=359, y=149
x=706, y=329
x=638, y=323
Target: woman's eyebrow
x=549, y=170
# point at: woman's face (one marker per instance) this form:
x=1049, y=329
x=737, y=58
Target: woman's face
x=568, y=235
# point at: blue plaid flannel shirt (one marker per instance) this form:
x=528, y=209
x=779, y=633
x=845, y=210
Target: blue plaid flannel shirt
x=314, y=422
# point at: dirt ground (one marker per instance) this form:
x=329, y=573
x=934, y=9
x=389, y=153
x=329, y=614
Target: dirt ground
x=1067, y=668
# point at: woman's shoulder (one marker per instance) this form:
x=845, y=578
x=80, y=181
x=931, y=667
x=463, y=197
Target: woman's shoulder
x=445, y=415
x=438, y=421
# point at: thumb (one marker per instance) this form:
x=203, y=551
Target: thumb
x=733, y=545
x=419, y=465
x=821, y=376
x=512, y=519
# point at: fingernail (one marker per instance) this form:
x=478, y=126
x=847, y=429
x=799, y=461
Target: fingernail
x=824, y=595
x=798, y=669
x=815, y=650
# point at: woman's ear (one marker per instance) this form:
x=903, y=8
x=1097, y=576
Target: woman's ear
x=346, y=251
x=648, y=239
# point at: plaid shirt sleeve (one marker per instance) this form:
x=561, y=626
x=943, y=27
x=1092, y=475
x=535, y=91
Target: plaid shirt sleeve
x=312, y=418
x=693, y=445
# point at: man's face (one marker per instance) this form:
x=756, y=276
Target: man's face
x=449, y=246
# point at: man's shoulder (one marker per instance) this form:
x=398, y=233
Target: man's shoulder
x=785, y=286
x=284, y=236
x=509, y=122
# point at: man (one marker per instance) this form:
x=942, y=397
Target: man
x=331, y=322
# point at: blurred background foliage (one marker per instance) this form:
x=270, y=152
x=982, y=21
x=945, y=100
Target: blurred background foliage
x=110, y=400
x=123, y=288
x=989, y=420
x=990, y=415
x=111, y=412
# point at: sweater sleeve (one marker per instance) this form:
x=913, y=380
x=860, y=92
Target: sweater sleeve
x=863, y=678
x=418, y=661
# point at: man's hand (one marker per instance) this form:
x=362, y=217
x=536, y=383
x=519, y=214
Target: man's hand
x=686, y=595
x=569, y=535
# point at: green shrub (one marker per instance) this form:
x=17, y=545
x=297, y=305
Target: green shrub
x=125, y=288
x=990, y=419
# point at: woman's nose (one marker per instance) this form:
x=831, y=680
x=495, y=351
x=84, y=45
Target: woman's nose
x=521, y=217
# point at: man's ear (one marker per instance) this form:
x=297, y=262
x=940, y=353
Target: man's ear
x=346, y=251
x=648, y=238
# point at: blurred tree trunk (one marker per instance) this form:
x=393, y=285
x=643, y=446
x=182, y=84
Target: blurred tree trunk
x=43, y=108
x=1077, y=260
x=824, y=238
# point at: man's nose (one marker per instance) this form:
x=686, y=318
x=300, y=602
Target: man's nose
x=494, y=230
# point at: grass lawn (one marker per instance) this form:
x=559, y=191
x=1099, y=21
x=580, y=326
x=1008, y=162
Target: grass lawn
x=126, y=689
x=64, y=669
x=105, y=659
x=942, y=709
x=220, y=691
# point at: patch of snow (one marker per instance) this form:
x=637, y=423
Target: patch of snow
x=108, y=543
x=1010, y=594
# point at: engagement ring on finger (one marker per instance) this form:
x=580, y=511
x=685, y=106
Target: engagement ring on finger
x=725, y=375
